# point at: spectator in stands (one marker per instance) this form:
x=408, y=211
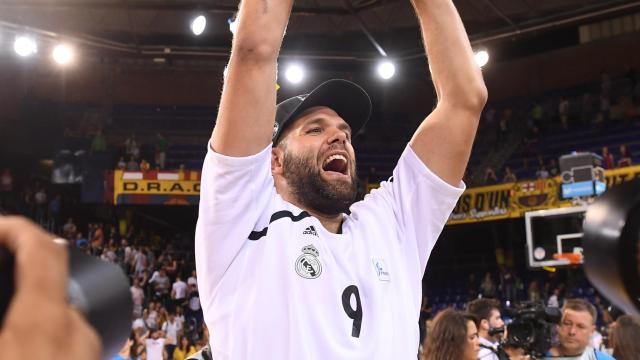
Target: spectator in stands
x=533, y=293
x=487, y=311
x=81, y=242
x=161, y=147
x=171, y=329
x=69, y=229
x=99, y=143
x=132, y=165
x=509, y=176
x=563, y=112
x=575, y=330
x=508, y=283
x=454, y=337
x=161, y=284
x=98, y=237
x=155, y=345
x=554, y=299
x=55, y=206
x=552, y=167
x=40, y=200
x=193, y=279
x=121, y=165
x=137, y=295
x=488, y=286
x=179, y=291
x=624, y=159
x=490, y=177
x=195, y=308
x=184, y=349
x=607, y=158
x=131, y=147
x=144, y=165
x=542, y=173
x=625, y=333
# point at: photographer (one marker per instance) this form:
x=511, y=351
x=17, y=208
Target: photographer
x=575, y=330
x=488, y=313
x=39, y=318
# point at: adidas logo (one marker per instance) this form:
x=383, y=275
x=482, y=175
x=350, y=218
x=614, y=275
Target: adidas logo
x=310, y=230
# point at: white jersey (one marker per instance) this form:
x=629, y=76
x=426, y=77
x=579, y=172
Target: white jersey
x=274, y=282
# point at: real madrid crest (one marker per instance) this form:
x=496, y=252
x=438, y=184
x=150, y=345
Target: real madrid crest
x=308, y=265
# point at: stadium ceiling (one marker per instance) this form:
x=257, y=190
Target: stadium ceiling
x=340, y=29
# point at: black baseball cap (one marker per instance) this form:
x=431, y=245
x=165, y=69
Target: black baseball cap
x=347, y=99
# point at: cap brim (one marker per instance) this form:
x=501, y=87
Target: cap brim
x=347, y=99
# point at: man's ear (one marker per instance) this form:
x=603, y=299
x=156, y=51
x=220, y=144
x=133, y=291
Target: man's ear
x=277, y=157
x=484, y=324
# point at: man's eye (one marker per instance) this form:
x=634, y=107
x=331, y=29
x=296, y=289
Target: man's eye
x=314, y=130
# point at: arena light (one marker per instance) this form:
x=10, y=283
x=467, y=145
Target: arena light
x=63, y=54
x=25, y=46
x=386, y=69
x=295, y=73
x=233, y=25
x=481, y=57
x=198, y=25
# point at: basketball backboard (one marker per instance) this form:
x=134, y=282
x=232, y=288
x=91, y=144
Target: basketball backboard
x=552, y=232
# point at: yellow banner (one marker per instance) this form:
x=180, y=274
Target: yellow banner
x=153, y=187
x=512, y=200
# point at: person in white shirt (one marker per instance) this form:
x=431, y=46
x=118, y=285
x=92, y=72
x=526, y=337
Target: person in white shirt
x=137, y=295
x=487, y=311
x=171, y=329
x=192, y=280
x=286, y=260
x=179, y=291
x=554, y=299
x=155, y=345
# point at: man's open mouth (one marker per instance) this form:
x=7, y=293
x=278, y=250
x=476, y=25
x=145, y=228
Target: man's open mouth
x=336, y=163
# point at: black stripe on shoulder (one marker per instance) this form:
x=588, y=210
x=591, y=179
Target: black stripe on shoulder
x=256, y=235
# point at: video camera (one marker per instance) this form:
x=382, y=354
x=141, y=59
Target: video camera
x=531, y=328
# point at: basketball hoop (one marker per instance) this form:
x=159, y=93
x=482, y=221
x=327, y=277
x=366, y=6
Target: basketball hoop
x=570, y=258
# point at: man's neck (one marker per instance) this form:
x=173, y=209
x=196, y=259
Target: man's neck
x=485, y=336
x=562, y=351
x=333, y=223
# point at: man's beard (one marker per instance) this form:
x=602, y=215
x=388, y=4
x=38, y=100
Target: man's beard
x=315, y=192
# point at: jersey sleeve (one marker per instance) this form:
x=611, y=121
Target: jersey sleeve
x=421, y=203
x=234, y=193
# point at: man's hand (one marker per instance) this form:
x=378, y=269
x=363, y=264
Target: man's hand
x=39, y=324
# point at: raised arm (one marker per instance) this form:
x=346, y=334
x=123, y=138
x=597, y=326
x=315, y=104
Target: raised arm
x=443, y=141
x=248, y=105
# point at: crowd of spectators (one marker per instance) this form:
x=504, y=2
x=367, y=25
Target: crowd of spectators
x=167, y=320
x=612, y=104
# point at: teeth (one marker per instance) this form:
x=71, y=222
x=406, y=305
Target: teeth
x=334, y=157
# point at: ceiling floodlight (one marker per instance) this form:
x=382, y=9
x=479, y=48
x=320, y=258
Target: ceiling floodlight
x=482, y=58
x=63, y=54
x=25, y=46
x=294, y=73
x=198, y=25
x=386, y=70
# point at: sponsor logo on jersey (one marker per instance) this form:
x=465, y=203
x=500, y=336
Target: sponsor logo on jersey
x=381, y=269
x=310, y=230
x=308, y=265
